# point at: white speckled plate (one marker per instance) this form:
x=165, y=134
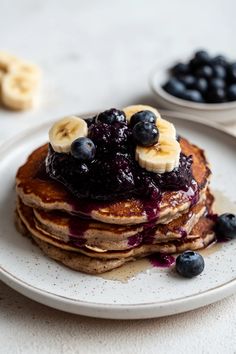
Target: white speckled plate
x=152, y=293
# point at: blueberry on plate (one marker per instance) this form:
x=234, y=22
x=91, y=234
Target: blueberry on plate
x=202, y=57
x=145, y=133
x=190, y=264
x=83, y=149
x=180, y=69
x=174, y=87
x=111, y=116
x=231, y=92
x=143, y=116
x=192, y=95
x=216, y=96
x=205, y=71
x=226, y=225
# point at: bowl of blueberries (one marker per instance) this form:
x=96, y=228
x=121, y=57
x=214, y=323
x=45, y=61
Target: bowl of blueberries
x=203, y=86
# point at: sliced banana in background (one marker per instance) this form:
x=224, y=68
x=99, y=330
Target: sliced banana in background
x=6, y=60
x=19, y=82
x=18, y=91
x=26, y=68
x=65, y=131
x=161, y=157
x=131, y=110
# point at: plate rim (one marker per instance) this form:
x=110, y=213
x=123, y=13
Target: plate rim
x=116, y=311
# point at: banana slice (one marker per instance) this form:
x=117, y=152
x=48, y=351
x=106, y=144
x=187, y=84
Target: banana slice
x=18, y=91
x=65, y=131
x=161, y=157
x=6, y=60
x=2, y=73
x=166, y=128
x=131, y=110
x=26, y=68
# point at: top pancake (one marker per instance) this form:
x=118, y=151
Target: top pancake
x=37, y=190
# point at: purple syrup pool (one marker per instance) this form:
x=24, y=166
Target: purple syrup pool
x=161, y=260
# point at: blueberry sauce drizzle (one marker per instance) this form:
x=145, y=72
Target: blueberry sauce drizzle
x=161, y=260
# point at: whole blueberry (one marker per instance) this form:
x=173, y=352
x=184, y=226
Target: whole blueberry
x=201, y=85
x=216, y=83
x=193, y=95
x=219, y=60
x=145, y=133
x=226, y=225
x=143, y=116
x=205, y=71
x=219, y=71
x=111, y=116
x=232, y=73
x=231, y=92
x=190, y=264
x=180, y=69
x=216, y=96
x=194, y=65
x=174, y=87
x=188, y=80
x=83, y=149
x=202, y=57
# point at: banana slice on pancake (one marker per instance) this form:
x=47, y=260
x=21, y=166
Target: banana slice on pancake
x=131, y=110
x=65, y=131
x=166, y=128
x=161, y=157
x=164, y=155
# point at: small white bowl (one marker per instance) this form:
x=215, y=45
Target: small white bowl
x=215, y=112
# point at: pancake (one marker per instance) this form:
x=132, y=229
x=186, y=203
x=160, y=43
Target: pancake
x=75, y=261
x=38, y=191
x=201, y=229
x=97, y=263
x=112, y=237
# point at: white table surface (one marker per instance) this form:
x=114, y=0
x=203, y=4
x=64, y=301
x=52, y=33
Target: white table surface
x=97, y=54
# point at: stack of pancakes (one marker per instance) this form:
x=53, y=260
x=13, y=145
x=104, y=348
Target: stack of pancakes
x=95, y=237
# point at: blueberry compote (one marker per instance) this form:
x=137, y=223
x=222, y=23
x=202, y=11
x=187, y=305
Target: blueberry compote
x=114, y=174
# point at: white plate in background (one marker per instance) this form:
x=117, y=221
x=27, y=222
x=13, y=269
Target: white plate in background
x=210, y=112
